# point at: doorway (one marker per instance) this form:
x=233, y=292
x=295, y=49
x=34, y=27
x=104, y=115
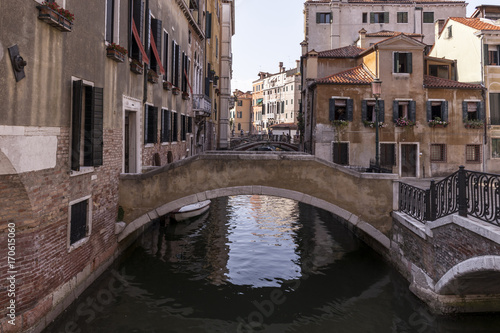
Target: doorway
x=130, y=149
x=409, y=160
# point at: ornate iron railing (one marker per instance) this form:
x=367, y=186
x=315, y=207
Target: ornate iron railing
x=412, y=201
x=466, y=192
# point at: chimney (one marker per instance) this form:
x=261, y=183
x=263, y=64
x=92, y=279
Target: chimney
x=298, y=65
x=281, y=67
x=362, y=38
x=304, y=45
x=438, y=26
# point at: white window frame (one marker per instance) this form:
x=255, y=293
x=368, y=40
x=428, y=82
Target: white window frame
x=85, y=239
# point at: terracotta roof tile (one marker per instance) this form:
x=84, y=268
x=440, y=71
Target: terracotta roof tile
x=398, y=2
x=343, y=52
x=437, y=82
x=356, y=75
x=475, y=23
x=387, y=33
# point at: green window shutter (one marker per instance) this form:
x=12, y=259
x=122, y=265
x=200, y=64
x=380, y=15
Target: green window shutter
x=486, y=55
x=97, y=126
x=386, y=17
x=444, y=111
x=331, y=109
x=76, y=124
x=480, y=110
x=396, y=62
x=372, y=17
x=413, y=111
x=208, y=27
x=409, y=61
x=146, y=124
x=156, y=29
x=429, y=110
x=155, y=124
x=331, y=17
x=381, y=106
x=363, y=110
x=318, y=17
x=465, y=114
x=350, y=109
x=395, y=110
x=138, y=17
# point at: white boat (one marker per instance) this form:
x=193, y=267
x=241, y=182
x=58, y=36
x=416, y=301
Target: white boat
x=190, y=211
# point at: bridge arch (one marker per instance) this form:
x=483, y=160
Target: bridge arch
x=475, y=276
x=364, y=200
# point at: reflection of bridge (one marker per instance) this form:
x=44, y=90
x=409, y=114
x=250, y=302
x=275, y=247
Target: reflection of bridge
x=444, y=260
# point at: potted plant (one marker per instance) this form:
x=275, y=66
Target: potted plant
x=56, y=16
x=175, y=91
x=167, y=85
x=185, y=95
x=136, y=66
x=371, y=124
x=116, y=52
x=473, y=123
x=404, y=122
x=340, y=124
x=437, y=122
x=152, y=76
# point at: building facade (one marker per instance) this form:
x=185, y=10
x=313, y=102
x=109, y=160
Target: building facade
x=241, y=113
x=117, y=88
x=336, y=23
x=423, y=131
x=474, y=44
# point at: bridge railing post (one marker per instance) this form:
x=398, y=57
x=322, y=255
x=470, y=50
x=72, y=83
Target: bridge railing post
x=430, y=202
x=462, y=192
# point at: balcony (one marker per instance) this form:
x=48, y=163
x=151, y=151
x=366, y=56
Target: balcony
x=202, y=106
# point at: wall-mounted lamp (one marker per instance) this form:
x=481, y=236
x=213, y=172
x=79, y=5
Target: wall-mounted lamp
x=18, y=63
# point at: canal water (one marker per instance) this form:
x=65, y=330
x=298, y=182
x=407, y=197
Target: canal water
x=255, y=264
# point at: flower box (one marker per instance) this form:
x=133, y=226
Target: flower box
x=136, y=67
x=185, y=95
x=404, y=122
x=473, y=124
x=340, y=124
x=58, y=17
x=371, y=124
x=437, y=122
x=176, y=91
x=115, y=55
x=167, y=85
x=152, y=76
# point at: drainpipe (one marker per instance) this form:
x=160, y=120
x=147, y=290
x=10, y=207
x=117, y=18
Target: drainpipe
x=483, y=94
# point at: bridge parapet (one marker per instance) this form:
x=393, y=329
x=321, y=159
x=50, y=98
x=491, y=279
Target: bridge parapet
x=365, y=200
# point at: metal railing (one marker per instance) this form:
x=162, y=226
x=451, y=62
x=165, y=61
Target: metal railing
x=466, y=192
x=202, y=105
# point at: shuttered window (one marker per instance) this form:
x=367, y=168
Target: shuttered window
x=324, y=17
x=137, y=18
x=368, y=110
x=428, y=17
x=78, y=223
x=175, y=126
x=437, y=109
x=495, y=108
x=150, y=124
x=472, y=111
x=156, y=31
x=208, y=26
x=110, y=13
x=166, y=126
x=438, y=152
x=403, y=62
x=183, y=127
x=165, y=54
x=387, y=154
x=341, y=109
x=404, y=109
x=86, y=126
x=175, y=64
x=382, y=17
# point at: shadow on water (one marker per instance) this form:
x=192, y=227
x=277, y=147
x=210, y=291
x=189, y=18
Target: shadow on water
x=213, y=274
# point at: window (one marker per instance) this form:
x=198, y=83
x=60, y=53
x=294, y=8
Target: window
x=110, y=20
x=495, y=108
x=387, y=154
x=240, y=103
x=472, y=110
x=473, y=153
x=495, y=147
x=450, y=31
x=175, y=64
x=240, y=114
x=86, y=126
x=136, y=25
x=216, y=47
x=365, y=18
x=208, y=25
x=150, y=124
x=441, y=71
x=402, y=17
x=404, y=109
x=437, y=109
x=183, y=127
x=438, y=152
x=190, y=125
x=340, y=153
x=323, y=17
x=184, y=72
x=175, y=126
x=379, y=17
x=155, y=57
x=79, y=214
x=491, y=53
x=340, y=109
x=165, y=53
x=166, y=126
x=428, y=17
x=368, y=110
x=402, y=62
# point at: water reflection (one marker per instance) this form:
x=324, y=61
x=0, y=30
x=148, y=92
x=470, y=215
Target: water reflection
x=255, y=264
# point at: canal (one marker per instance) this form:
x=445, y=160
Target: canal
x=255, y=264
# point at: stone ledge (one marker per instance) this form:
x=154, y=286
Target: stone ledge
x=411, y=224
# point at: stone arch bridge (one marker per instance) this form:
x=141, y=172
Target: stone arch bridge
x=453, y=263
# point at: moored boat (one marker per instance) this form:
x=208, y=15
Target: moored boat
x=190, y=211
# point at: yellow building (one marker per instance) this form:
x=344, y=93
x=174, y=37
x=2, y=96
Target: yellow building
x=241, y=113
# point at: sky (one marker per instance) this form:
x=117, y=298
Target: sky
x=270, y=31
